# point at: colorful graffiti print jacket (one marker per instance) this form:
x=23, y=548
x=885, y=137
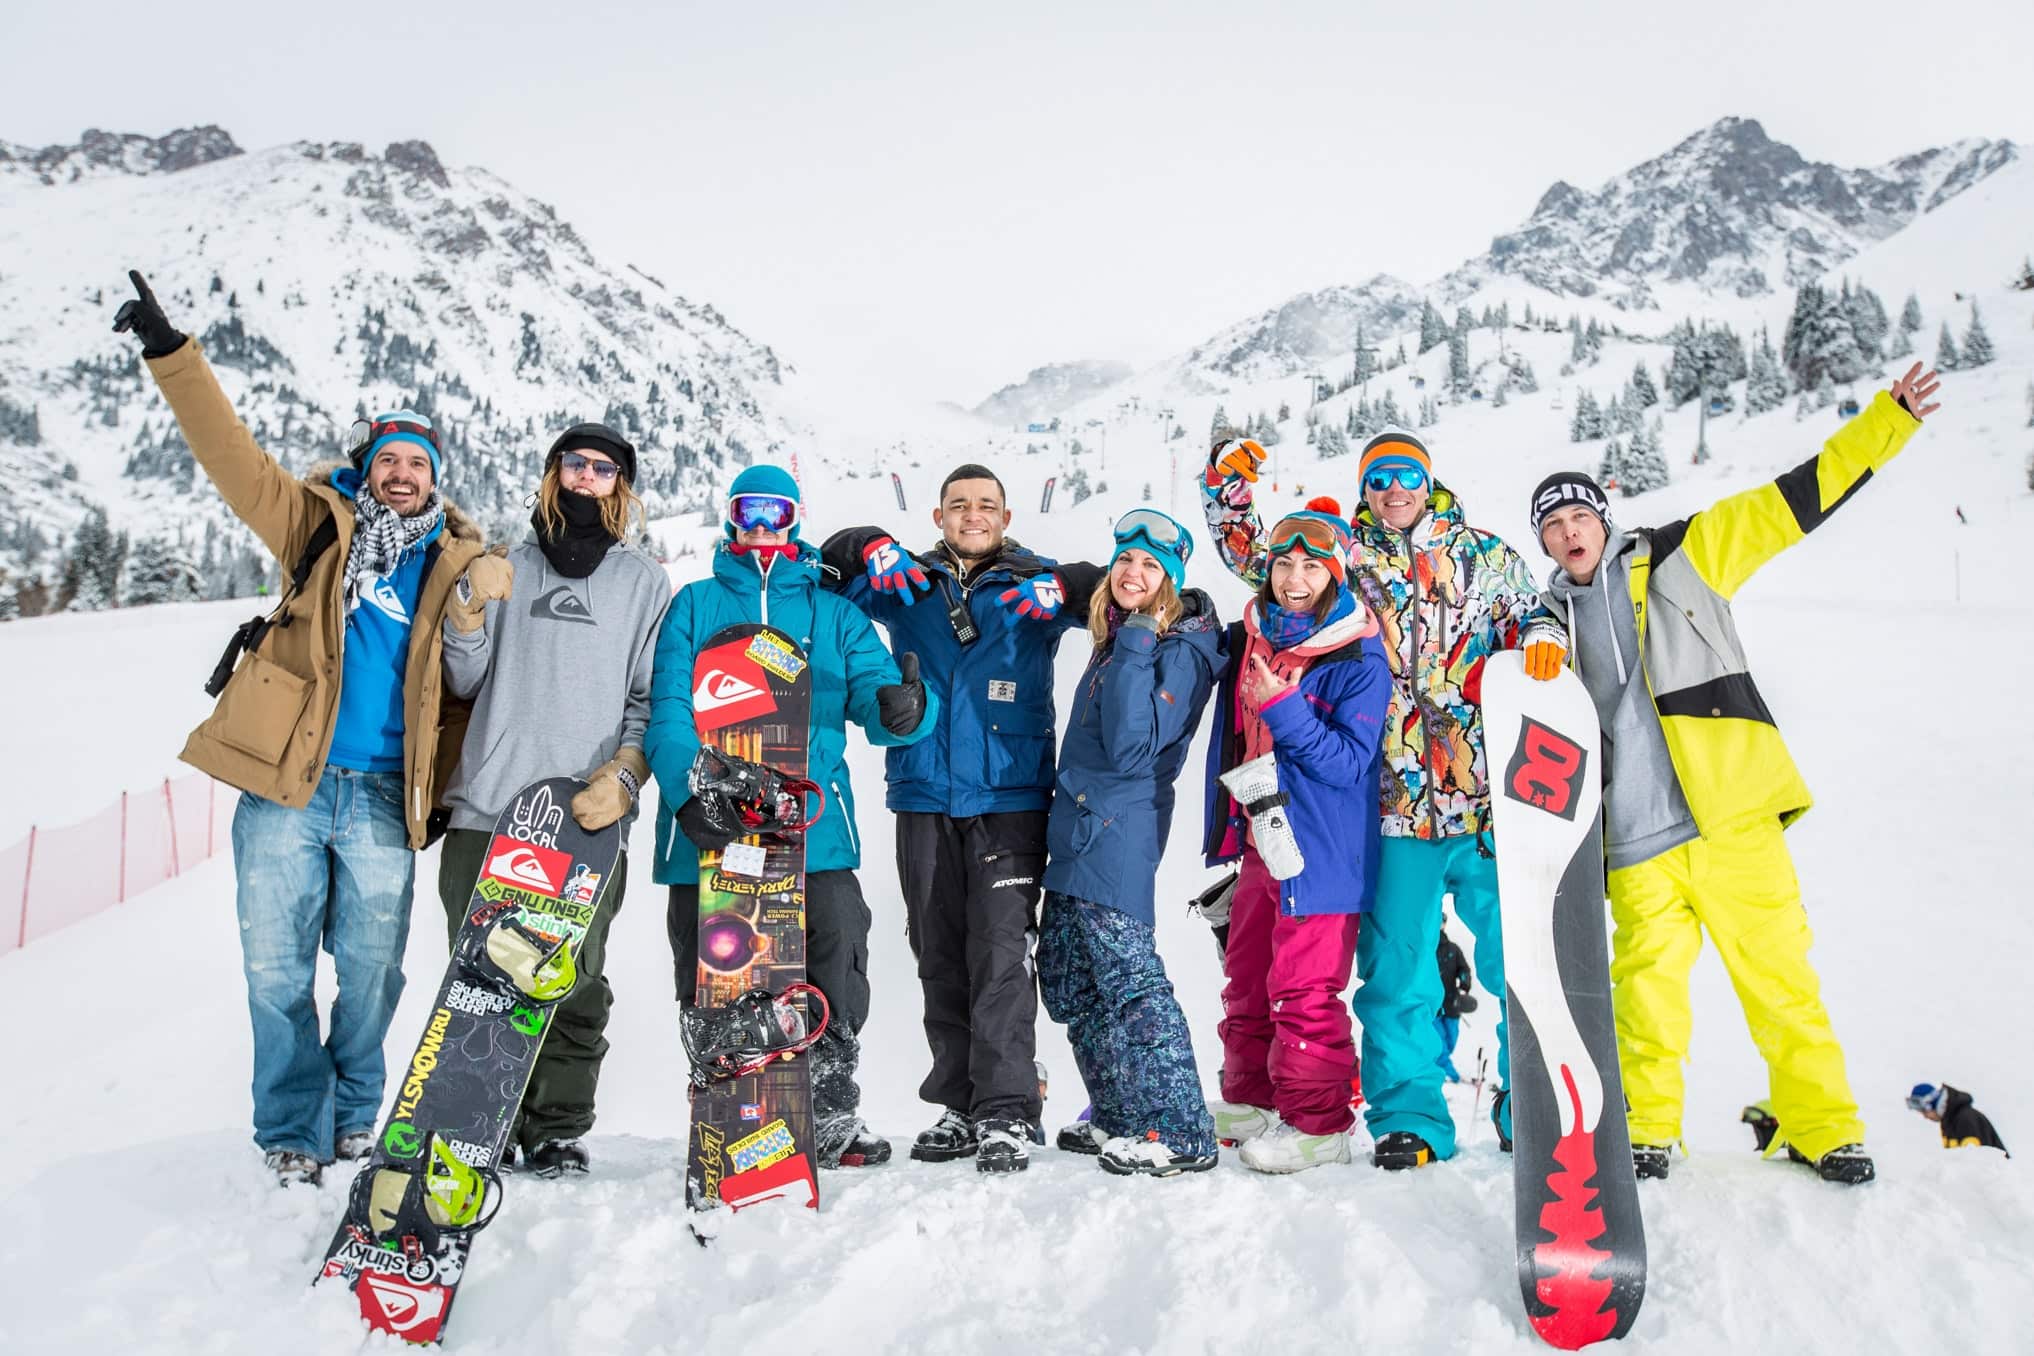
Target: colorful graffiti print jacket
x=1446, y=595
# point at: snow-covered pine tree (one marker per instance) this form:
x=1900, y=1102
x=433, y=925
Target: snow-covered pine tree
x=1910, y=315
x=1587, y=422
x=1331, y=442
x=1643, y=394
x=160, y=570
x=1147, y=491
x=1578, y=343
x=1388, y=414
x=1766, y=389
x=1868, y=320
x=92, y=566
x=1459, y=376
x=1430, y=413
x=1610, y=470
x=1433, y=330
x=1820, y=341
x=1522, y=377
x=1464, y=322
x=10, y=605
x=1947, y=357
x=1498, y=398
x=1645, y=465
x=1977, y=345
x=1219, y=427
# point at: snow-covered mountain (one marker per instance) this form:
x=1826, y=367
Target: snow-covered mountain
x=1051, y=388
x=1726, y=216
x=325, y=280
x=1730, y=210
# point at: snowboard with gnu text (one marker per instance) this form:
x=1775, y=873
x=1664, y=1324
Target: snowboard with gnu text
x=432, y=1180
x=1580, y=1240
x=752, y=1137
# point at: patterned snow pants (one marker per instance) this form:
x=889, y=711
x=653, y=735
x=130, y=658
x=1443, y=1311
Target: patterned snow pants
x=1100, y=976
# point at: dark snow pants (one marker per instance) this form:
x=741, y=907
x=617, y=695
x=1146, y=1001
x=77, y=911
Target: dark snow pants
x=559, y=1101
x=837, y=922
x=971, y=890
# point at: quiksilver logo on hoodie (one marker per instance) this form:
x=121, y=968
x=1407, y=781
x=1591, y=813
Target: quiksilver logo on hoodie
x=562, y=604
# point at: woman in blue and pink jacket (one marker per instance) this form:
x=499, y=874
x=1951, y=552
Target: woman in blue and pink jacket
x=1308, y=683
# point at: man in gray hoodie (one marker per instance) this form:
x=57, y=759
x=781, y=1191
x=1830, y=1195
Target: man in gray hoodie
x=553, y=641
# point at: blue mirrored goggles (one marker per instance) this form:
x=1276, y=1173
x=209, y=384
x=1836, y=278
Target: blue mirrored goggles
x=770, y=512
x=1407, y=477
x=1157, y=531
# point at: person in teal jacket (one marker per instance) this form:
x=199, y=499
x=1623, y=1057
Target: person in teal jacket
x=764, y=572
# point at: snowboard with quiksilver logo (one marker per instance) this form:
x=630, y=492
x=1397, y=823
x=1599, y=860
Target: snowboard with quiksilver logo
x=432, y=1180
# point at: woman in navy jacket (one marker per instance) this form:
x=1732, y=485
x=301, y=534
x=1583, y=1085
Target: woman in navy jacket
x=1133, y=715
x=1307, y=684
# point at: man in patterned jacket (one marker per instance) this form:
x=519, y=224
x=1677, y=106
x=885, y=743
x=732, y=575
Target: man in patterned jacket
x=1446, y=595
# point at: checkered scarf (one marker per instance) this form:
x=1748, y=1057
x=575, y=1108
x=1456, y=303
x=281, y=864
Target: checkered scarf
x=382, y=536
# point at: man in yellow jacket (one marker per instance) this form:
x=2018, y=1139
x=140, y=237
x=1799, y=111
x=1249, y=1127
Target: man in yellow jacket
x=331, y=727
x=1698, y=783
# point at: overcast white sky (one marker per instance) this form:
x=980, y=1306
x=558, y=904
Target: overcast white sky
x=927, y=200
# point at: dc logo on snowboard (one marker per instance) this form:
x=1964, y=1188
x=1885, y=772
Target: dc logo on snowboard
x=1546, y=770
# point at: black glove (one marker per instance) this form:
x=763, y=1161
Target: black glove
x=903, y=704
x=143, y=318
x=710, y=821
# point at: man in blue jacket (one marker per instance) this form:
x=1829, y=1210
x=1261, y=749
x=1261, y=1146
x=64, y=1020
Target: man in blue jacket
x=764, y=573
x=971, y=800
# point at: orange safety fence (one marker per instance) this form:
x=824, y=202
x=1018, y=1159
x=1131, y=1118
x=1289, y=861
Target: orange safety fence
x=56, y=876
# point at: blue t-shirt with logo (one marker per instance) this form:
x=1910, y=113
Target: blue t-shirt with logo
x=368, y=736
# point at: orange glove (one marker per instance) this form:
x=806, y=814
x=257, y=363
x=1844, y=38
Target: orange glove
x=1236, y=457
x=1544, y=658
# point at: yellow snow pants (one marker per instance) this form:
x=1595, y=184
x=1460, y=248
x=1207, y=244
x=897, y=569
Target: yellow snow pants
x=1741, y=887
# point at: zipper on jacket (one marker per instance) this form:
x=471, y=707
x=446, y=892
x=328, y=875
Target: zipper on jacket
x=1412, y=573
x=840, y=806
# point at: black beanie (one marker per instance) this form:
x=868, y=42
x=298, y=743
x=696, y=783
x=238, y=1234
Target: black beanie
x=600, y=438
x=1569, y=487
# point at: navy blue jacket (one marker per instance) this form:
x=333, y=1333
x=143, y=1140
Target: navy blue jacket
x=848, y=664
x=990, y=750
x=1133, y=716
x=1327, y=737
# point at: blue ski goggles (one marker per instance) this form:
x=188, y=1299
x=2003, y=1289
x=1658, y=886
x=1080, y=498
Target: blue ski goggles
x=1157, y=531
x=1408, y=477
x=770, y=512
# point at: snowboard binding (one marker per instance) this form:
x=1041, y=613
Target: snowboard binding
x=1255, y=786
x=506, y=955
x=750, y=1032
x=423, y=1212
x=763, y=800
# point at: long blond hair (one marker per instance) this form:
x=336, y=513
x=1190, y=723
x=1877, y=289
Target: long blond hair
x=1165, y=605
x=616, y=510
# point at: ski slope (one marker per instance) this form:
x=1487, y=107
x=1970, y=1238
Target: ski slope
x=1892, y=646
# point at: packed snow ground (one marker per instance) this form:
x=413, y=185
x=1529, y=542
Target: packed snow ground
x=139, y=1218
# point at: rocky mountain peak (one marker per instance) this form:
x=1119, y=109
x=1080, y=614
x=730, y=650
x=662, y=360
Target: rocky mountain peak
x=99, y=153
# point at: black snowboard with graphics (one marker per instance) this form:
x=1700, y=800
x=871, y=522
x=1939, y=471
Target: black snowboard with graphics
x=752, y=1135
x=1581, y=1242
x=431, y=1181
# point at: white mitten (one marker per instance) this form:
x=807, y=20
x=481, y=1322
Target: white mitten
x=1255, y=786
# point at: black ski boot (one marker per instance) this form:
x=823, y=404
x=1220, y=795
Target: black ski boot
x=1650, y=1160
x=847, y=1142
x=953, y=1136
x=1005, y=1144
x=1081, y=1138
x=1847, y=1164
x=1497, y=1118
x=1401, y=1149
x=555, y=1156
x=1759, y=1116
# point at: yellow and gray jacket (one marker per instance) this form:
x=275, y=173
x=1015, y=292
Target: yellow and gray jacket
x=1733, y=766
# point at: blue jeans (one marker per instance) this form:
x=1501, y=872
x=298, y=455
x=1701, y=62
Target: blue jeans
x=1401, y=989
x=336, y=874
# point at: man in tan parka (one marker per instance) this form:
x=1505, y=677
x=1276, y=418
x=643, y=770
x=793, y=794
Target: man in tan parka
x=332, y=727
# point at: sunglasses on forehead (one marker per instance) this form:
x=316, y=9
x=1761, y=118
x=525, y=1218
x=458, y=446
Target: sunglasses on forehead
x=361, y=436
x=770, y=512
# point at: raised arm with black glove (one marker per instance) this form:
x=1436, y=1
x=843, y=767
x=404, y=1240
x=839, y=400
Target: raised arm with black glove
x=143, y=318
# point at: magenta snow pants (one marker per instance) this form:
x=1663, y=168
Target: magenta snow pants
x=1286, y=1040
